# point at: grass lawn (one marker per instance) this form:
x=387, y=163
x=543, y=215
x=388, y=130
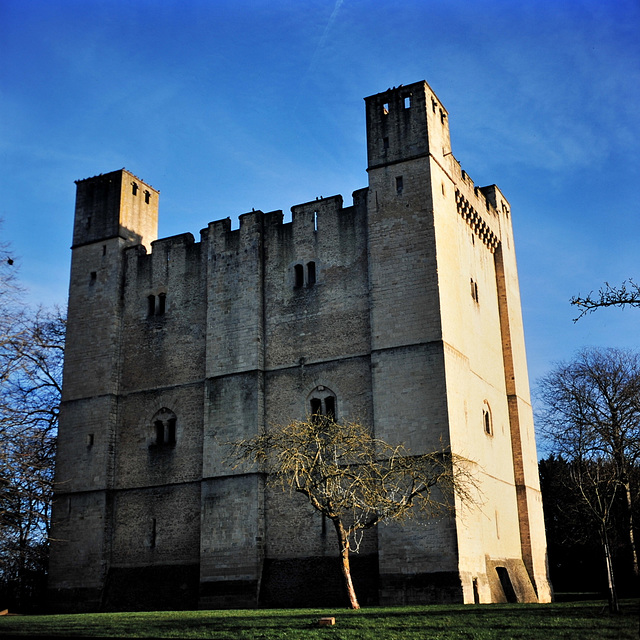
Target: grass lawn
x=569, y=620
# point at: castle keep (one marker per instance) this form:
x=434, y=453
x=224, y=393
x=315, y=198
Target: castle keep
x=401, y=309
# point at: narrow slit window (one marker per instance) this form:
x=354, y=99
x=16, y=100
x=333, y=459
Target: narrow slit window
x=330, y=407
x=147, y=197
x=298, y=271
x=315, y=220
x=487, y=420
x=399, y=185
x=385, y=142
x=474, y=290
x=134, y=188
x=162, y=303
x=407, y=102
x=171, y=431
x=151, y=305
x=311, y=273
x=159, y=428
x=385, y=108
x=152, y=541
x=93, y=276
x=316, y=407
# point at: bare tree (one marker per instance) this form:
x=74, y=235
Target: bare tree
x=627, y=294
x=354, y=479
x=29, y=403
x=31, y=353
x=592, y=419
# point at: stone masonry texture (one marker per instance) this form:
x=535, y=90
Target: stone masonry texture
x=402, y=308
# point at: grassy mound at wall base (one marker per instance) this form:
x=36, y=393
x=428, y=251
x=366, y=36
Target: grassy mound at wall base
x=567, y=620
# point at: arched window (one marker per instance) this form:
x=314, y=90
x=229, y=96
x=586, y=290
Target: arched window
x=163, y=428
x=487, y=420
x=322, y=402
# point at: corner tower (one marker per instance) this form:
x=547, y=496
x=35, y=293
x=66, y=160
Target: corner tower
x=448, y=359
x=113, y=211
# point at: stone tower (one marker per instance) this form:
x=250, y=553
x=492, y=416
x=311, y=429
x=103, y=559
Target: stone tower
x=401, y=309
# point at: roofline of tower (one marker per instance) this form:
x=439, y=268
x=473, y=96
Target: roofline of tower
x=118, y=171
x=422, y=84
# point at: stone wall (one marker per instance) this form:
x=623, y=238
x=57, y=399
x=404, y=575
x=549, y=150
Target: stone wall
x=401, y=309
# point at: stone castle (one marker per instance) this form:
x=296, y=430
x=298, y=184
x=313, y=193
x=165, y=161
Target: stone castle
x=401, y=309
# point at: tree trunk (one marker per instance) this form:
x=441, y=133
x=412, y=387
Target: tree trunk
x=343, y=541
x=612, y=596
x=632, y=542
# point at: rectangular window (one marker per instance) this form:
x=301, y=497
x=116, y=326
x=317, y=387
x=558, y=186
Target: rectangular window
x=171, y=431
x=407, y=102
x=385, y=108
x=316, y=406
x=385, y=143
x=330, y=407
x=399, y=185
x=159, y=428
x=298, y=271
x=311, y=273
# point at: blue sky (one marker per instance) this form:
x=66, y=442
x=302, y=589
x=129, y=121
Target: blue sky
x=229, y=105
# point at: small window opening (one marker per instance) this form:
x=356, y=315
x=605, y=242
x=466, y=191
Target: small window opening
x=315, y=220
x=443, y=116
x=330, y=407
x=474, y=290
x=163, y=429
x=147, y=197
x=159, y=429
x=311, y=273
x=104, y=249
x=151, y=305
x=486, y=420
x=385, y=142
x=162, y=303
x=399, y=185
x=134, y=188
x=152, y=541
x=322, y=402
x=93, y=276
x=407, y=102
x=316, y=406
x=89, y=440
x=385, y=108
x=507, y=586
x=434, y=104
x=171, y=431
x=298, y=271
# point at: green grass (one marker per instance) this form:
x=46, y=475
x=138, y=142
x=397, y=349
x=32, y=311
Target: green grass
x=568, y=620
